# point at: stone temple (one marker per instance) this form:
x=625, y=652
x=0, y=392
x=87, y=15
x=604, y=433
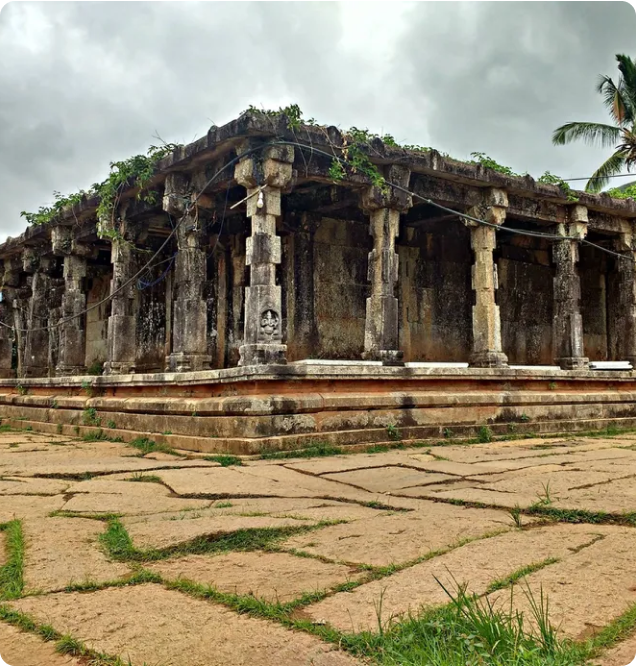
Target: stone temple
x=260, y=303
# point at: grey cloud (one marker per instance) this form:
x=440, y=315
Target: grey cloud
x=102, y=77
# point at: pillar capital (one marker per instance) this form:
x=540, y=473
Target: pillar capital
x=376, y=197
x=271, y=166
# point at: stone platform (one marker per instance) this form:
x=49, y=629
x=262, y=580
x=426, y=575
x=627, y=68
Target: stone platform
x=247, y=410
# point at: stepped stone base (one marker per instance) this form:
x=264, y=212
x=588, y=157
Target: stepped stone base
x=252, y=409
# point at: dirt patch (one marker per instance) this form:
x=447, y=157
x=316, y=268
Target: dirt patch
x=19, y=648
x=60, y=551
x=152, y=625
x=162, y=534
x=271, y=576
x=400, y=537
x=476, y=564
x=588, y=589
x=387, y=479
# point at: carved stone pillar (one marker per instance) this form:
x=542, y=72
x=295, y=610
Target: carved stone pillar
x=35, y=362
x=487, y=349
x=122, y=323
x=189, y=308
x=567, y=327
x=625, y=307
x=381, y=324
x=6, y=333
x=264, y=177
x=72, y=325
x=10, y=313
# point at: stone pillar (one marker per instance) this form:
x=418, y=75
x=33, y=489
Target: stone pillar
x=122, y=322
x=381, y=325
x=567, y=327
x=625, y=306
x=487, y=349
x=6, y=334
x=72, y=325
x=264, y=176
x=35, y=362
x=189, y=308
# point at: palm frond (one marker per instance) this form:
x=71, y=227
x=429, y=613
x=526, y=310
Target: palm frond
x=611, y=166
x=620, y=108
x=592, y=133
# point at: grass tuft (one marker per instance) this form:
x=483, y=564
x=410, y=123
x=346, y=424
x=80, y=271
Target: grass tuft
x=145, y=446
x=316, y=450
x=11, y=573
x=225, y=460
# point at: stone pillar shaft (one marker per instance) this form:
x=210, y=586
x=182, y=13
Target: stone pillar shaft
x=189, y=309
x=72, y=345
x=6, y=336
x=122, y=323
x=264, y=178
x=381, y=330
x=36, y=343
x=626, y=307
x=487, y=349
x=567, y=323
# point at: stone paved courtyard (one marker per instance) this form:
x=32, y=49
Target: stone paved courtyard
x=167, y=560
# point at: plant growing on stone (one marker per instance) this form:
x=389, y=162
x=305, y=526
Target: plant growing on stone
x=393, y=433
x=484, y=435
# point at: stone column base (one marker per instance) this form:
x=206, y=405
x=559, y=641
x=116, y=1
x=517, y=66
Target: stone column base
x=387, y=356
x=185, y=362
x=119, y=368
x=70, y=370
x=488, y=359
x=263, y=354
x=573, y=363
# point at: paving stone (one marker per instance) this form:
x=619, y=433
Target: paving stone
x=476, y=565
x=60, y=551
x=163, y=534
x=23, y=506
x=621, y=655
x=400, y=537
x=28, y=486
x=587, y=590
x=19, y=648
x=149, y=624
x=615, y=497
x=387, y=479
x=272, y=576
x=332, y=464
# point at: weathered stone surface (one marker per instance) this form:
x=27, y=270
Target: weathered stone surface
x=148, y=624
x=334, y=464
x=401, y=537
x=130, y=504
x=387, y=479
x=166, y=533
x=588, y=589
x=19, y=648
x=21, y=506
x=60, y=551
x=27, y=486
x=276, y=577
x=477, y=565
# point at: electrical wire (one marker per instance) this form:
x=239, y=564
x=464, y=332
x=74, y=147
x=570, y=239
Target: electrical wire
x=312, y=149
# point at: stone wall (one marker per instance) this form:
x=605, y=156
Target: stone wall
x=434, y=292
x=97, y=322
x=593, y=269
x=525, y=299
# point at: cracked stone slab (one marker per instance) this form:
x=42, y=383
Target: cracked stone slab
x=166, y=533
x=131, y=503
x=30, y=486
x=19, y=648
x=346, y=463
x=60, y=551
x=617, y=496
x=149, y=624
x=24, y=506
x=587, y=590
x=387, y=479
x=276, y=577
x=271, y=480
x=476, y=564
x=401, y=537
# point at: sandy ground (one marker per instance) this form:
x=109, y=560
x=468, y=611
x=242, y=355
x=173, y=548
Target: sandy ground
x=385, y=532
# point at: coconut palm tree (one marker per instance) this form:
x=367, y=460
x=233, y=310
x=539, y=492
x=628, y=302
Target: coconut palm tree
x=620, y=100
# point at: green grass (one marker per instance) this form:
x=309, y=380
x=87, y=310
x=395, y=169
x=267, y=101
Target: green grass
x=316, y=450
x=145, y=478
x=519, y=574
x=119, y=545
x=11, y=573
x=145, y=446
x=99, y=436
x=582, y=516
x=224, y=460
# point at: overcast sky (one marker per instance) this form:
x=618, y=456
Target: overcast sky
x=85, y=83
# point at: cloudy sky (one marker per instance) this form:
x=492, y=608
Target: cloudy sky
x=85, y=83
